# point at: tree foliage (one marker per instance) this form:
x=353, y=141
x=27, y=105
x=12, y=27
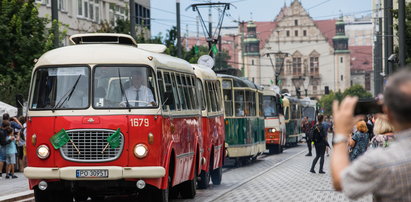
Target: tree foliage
x=355, y=90
x=23, y=38
x=407, y=30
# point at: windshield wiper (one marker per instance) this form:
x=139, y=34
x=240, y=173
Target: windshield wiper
x=66, y=98
x=122, y=91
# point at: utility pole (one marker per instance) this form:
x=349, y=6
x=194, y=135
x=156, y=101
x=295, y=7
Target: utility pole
x=242, y=27
x=210, y=30
x=178, y=29
x=388, y=35
x=132, y=19
x=55, y=23
x=401, y=30
x=378, y=79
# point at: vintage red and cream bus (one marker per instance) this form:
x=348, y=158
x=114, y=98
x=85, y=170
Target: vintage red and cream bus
x=212, y=125
x=274, y=121
x=108, y=116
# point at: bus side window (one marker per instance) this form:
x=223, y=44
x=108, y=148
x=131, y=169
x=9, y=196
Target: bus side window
x=218, y=95
x=193, y=94
x=212, y=92
x=169, y=91
x=177, y=98
x=161, y=87
x=208, y=96
x=180, y=92
x=200, y=95
x=189, y=100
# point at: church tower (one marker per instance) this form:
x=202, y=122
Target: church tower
x=252, y=54
x=341, y=57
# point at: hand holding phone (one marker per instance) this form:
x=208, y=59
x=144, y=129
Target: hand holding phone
x=367, y=106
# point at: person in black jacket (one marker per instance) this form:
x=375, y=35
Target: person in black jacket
x=320, y=143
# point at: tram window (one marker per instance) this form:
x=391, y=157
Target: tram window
x=293, y=111
x=218, y=95
x=181, y=92
x=169, y=91
x=253, y=109
x=61, y=87
x=239, y=102
x=201, y=96
x=161, y=88
x=250, y=104
x=228, y=102
x=175, y=92
x=208, y=96
x=122, y=85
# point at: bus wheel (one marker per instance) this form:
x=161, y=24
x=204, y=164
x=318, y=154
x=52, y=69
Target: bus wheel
x=217, y=175
x=204, y=179
x=188, y=188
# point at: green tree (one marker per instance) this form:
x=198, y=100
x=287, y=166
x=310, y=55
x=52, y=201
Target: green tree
x=23, y=38
x=355, y=90
x=407, y=30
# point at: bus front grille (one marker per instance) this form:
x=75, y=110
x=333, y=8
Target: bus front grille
x=90, y=145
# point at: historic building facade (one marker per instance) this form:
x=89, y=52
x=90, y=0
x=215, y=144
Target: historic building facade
x=82, y=16
x=304, y=55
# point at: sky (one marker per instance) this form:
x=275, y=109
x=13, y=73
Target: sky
x=163, y=12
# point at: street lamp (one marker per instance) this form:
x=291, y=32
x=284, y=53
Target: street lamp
x=297, y=82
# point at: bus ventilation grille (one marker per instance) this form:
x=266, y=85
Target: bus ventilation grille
x=92, y=146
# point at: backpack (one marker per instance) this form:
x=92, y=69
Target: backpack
x=316, y=133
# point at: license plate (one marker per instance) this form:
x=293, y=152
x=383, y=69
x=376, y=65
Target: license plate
x=92, y=173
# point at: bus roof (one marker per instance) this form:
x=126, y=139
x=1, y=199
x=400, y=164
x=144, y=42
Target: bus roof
x=111, y=54
x=203, y=72
x=239, y=82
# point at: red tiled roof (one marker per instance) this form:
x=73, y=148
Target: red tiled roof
x=327, y=27
x=361, y=58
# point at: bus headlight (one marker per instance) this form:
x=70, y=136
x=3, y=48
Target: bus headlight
x=272, y=130
x=140, y=151
x=43, y=151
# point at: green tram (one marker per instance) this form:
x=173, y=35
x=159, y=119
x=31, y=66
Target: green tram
x=292, y=117
x=243, y=118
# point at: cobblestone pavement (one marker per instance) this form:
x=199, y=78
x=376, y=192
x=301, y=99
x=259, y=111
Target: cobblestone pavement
x=289, y=181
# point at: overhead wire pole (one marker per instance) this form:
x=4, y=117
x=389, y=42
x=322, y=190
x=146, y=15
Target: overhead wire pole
x=132, y=18
x=211, y=37
x=178, y=29
x=54, y=23
x=401, y=30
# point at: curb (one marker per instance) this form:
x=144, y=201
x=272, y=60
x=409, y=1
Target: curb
x=17, y=196
x=253, y=177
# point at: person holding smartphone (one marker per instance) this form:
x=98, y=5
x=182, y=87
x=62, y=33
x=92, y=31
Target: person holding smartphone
x=383, y=172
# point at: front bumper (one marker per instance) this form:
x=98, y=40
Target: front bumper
x=114, y=172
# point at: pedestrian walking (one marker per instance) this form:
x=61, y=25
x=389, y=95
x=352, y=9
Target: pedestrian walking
x=320, y=143
x=306, y=128
x=383, y=172
x=384, y=134
x=359, y=141
x=11, y=152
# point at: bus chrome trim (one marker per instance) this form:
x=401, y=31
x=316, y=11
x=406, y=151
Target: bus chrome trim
x=115, y=172
x=91, y=138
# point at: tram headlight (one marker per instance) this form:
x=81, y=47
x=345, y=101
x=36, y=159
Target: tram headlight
x=272, y=130
x=140, y=151
x=43, y=151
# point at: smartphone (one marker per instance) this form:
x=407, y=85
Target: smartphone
x=367, y=106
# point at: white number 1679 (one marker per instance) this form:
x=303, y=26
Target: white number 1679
x=138, y=122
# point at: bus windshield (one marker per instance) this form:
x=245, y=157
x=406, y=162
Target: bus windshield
x=309, y=112
x=123, y=87
x=269, y=106
x=61, y=88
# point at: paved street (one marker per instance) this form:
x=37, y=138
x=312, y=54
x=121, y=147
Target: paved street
x=283, y=177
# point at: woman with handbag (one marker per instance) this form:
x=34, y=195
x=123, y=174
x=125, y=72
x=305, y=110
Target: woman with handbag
x=359, y=141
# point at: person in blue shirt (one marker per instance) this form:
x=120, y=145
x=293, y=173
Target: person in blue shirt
x=11, y=151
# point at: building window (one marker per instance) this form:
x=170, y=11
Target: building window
x=252, y=62
x=305, y=32
x=117, y=13
x=297, y=66
x=142, y=16
x=80, y=7
x=314, y=65
x=288, y=33
x=342, y=77
x=296, y=22
x=288, y=67
x=296, y=32
x=341, y=60
x=61, y=5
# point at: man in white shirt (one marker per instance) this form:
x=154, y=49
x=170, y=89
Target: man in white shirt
x=139, y=95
